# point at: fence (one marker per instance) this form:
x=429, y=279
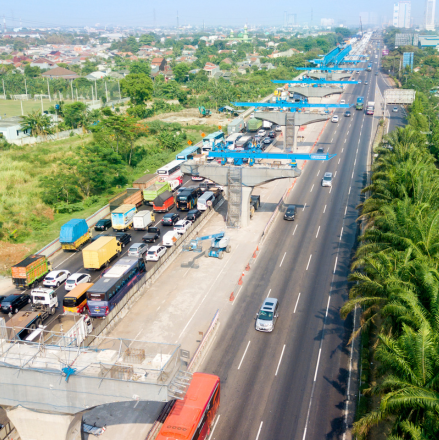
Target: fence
x=132, y=295
x=52, y=137
x=8, y=431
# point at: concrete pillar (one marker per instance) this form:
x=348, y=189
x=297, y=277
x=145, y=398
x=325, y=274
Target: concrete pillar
x=245, y=206
x=35, y=425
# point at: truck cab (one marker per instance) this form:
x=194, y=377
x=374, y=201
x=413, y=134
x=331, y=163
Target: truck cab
x=44, y=299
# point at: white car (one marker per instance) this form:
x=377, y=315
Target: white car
x=261, y=132
x=56, y=278
x=198, y=177
x=182, y=226
x=395, y=109
x=359, y=81
x=334, y=118
x=342, y=101
x=75, y=279
x=155, y=252
x=137, y=250
x=327, y=179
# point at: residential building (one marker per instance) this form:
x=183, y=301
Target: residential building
x=43, y=63
x=402, y=14
x=430, y=10
x=159, y=62
x=211, y=69
x=428, y=41
x=10, y=128
x=60, y=72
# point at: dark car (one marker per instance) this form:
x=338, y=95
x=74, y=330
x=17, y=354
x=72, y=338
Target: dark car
x=272, y=134
x=193, y=214
x=13, y=303
x=170, y=219
x=320, y=150
x=103, y=224
x=347, y=113
x=152, y=235
x=123, y=238
x=268, y=141
x=99, y=236
x=290, y=213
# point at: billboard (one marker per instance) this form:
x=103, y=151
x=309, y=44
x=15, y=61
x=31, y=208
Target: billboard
x=385, y=52
x=407, y=60
x=399, y=96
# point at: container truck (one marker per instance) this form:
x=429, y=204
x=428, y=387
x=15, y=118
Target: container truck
x=153, y=191
x=164, y=202
x=360, y=103
x=101, y=252
x=236, y=126
x=142, y=220
x=132, y=196
x=74, y=234
x=254, y=124
x=122, y=217
x=370, y=108
x=30, y=271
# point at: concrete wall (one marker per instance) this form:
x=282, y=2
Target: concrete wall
x=25, y=140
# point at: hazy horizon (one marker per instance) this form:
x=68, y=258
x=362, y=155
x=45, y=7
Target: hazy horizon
x=50, y=13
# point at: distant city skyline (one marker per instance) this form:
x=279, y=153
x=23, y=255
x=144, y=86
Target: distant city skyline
x=50, y=13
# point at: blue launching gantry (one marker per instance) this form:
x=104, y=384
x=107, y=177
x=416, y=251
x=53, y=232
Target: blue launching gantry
x=310, y=81
x=291, y=106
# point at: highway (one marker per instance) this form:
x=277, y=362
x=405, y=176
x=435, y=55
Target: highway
x=292, y=383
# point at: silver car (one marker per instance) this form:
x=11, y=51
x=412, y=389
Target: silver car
x=327, y=179
x=267, y=316
x=137, y=250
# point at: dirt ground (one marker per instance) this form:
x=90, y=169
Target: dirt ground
x=191, y=116
x=10, y=254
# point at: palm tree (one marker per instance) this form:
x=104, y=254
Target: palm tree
x=409, y=389
x=37, y=124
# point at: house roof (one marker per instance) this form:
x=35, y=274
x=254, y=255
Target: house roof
x=157, y=60
x=61, y=72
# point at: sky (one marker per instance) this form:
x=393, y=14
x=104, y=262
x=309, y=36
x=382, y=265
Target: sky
x=35, y=13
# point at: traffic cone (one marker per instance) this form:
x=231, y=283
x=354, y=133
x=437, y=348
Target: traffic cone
x=247, y=268
x=240, y=281
x=232, y=297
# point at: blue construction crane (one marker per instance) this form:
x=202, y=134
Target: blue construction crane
x=311, y=81
x=293, y=106
x=256, y=153
x=334, y=57
x=219, y=244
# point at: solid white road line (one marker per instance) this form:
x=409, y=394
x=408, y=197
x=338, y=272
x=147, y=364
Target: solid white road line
x=62, y=262
x=317, y=366
x=280, y=265
x=335, y=265
x=295, y=229
x=352, y=175
x=324, y=210
x=327, y=305
x=355, y=161
x=312, y=187
x=239, y=291
x=214, y=426
x=341, y=233
x=269, y=293
x=318, y=232
x=308, y=262
x=297, y=302
x=349, y=190
x=260, y=427
x=280, y=360
x=243, y=356
x=345, y=210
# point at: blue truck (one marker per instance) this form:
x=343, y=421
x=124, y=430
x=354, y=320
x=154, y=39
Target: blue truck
x=360, y=103
x=74, y=234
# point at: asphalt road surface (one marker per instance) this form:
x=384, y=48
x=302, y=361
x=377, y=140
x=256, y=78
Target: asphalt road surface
x=292, y=383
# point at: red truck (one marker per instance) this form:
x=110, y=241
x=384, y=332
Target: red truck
x=164, y=202
x=30, y=271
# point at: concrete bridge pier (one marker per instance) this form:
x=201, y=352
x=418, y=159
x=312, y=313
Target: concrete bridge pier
x=40, y=425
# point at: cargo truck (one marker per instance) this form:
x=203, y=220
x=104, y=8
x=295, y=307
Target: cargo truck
x=74, y=234
x=99, y=253
x=164, y=202
x=236, y=126
x=142, y=220
x=370, y=108
x=30, y=271
x=360, y=103
x=254, y=124
x=132, y=196
x=153, y=191
x=267, y=125
x=44, y=299
x=122, y=217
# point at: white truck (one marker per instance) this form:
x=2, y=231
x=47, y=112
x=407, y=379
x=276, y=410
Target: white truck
x=370, y=108
x=142, y=220
x=44, y=299
x=267, y=125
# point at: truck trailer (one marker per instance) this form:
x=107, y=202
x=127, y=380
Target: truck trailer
x=164, y=202
x=30, y=271
x=99, y=253
x=360, y=103
x=122, y=217
x=153, y=191
x=254, y=124
x=142, y=220
x=236, y=126
x=132, y=196
x=370, y=108
x=74, y=234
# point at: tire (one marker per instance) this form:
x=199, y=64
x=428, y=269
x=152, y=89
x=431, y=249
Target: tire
x=52, y=310
x=228, y=249
x=221, y=255
x=32, y=327
x=15, y=311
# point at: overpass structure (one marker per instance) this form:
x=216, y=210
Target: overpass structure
x=66, y=379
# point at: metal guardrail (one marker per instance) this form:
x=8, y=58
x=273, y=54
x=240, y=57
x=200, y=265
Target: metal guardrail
x=148, y=276
x=6, y=431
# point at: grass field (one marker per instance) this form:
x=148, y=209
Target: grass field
x=10, y=108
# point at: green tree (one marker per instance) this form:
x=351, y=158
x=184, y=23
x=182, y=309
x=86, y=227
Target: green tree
x=37, y=124
x=32, y=72
x=138, y=87
x=140, y=67
x=74, y=114
x=181, y=72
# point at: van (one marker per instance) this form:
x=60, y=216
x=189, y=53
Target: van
x=170, y=238
x=267, y=316
x=205, y=201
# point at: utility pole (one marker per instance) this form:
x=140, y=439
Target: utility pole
x=71, y=88
x=96, y=90
x=118, y=83
x=4, y=93
x=92, y=96
x=25, y=85
x=106, y=91
x=21, y=103
x=42, y=108
x=48, y=90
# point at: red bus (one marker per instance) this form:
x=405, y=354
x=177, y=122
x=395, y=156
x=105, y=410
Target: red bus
x=192, y=417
